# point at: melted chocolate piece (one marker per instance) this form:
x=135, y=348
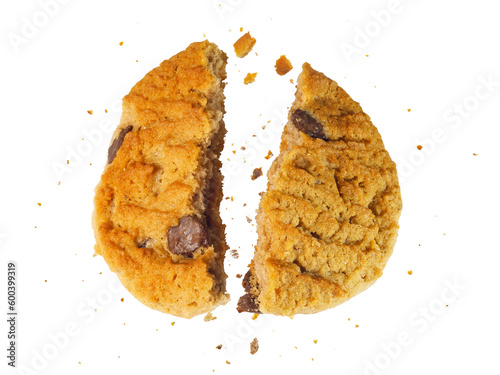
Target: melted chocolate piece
x=247, y=303
x=188, y=236
x=246, y=281
x=117, y=143
x=307, y=124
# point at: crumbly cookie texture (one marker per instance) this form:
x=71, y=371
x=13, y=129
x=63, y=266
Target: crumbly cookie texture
x=328, y=222
x=156, y=218
x=283, y=65
x=244, y=45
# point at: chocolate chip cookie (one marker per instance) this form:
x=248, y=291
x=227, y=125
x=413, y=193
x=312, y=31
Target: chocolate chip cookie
x=156, y=217
x=328, y=221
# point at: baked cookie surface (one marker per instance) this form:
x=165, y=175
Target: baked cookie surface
x=328, y=221
x=156, y=218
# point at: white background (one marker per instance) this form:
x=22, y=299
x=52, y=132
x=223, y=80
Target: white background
x=432, y=57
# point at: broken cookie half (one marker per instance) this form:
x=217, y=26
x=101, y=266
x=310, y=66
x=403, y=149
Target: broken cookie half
x=328, y=221
x=156, y=218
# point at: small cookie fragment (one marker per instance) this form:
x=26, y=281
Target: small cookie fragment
x=257, y=172
x=419, y=147
x=254, y=346
x=283, y=65
x=269, y=155
x=244, y=45
x=209, y=317
x=219, y=347
x=234, y=254
x=250, y=78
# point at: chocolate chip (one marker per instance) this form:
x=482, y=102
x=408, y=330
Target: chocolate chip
x=188, y=236
x=307, y=124
x=247, y=303
x=117, y=143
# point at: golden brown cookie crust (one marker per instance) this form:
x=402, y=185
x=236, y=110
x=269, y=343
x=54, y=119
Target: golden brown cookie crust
x=166, y=169
x=329, y=220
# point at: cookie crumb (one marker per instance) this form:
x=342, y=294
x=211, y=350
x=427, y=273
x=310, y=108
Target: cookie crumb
x=283, y=65
x=239, y=275
x=409, y=109
x=219, y=347
x=356, y=326
x=106, y=110
x=244, y=45
x=250, y=78
x=209, y=317
x=241, y=29
x=248, y=219
x=39, y=204
x=243, y=148
x=59, y=183
x=261, y=194
x=269, y=155
x=257, y=172
x=255, y=316
x=122, y=300
x=228, y=362
x=173, y=324
x=419, y=147
x=234, y=254
x=315, y=341
x=121, y=43
x=254, y=346
x=90, y=112
x=474, y=154
x=410, y=272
